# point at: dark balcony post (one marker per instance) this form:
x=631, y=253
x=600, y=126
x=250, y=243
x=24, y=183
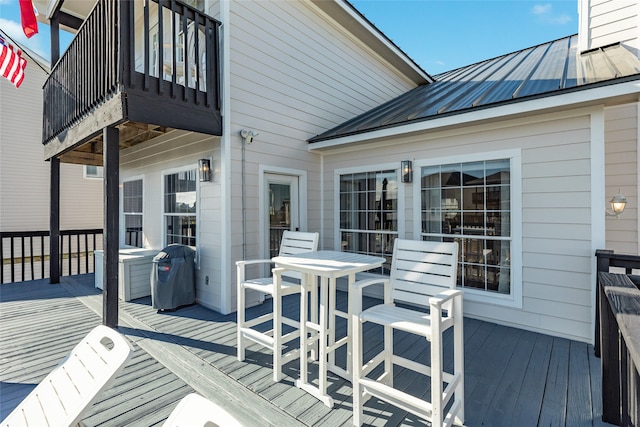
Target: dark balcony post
x=55, y=39
x=54, y=182
x=110, y=136
x=54, y=221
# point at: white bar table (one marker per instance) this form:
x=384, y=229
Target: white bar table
x=327, y=266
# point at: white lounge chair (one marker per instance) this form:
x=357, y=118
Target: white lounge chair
x=422, y=274
x=279, y=285
x=70, y=389
x=196, y=411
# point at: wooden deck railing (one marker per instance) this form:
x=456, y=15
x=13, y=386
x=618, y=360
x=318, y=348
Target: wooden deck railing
x=151, y=50
x=25, y=254
x=618, y=338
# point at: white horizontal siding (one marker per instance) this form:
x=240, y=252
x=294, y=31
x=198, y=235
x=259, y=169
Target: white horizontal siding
x=556, y=212
x=25, y=176
x=611, y=22
x=621, y=170
x=175, y=150
x=294, y=73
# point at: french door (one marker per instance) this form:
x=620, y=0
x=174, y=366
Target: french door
x=282, y=209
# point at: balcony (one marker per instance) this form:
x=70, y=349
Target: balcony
x=145, y=66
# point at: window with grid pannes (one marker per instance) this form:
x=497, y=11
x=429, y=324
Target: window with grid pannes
x=180, y=207
x=132, y=211
x=471, y=203
x=369, y=214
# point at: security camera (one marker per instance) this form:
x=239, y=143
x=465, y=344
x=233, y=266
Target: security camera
x=248, y=135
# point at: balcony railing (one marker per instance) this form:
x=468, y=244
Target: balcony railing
x=163, y=54
x=25, y=254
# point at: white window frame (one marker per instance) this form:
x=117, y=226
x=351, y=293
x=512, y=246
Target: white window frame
x=123, y=213
x=514, y=299
x=98, y=175
x=361, y=169
x=172, y=171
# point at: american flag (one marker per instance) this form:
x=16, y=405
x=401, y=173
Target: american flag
x=12, y=63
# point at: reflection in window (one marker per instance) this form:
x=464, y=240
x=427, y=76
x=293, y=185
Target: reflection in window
x=369, y=213
x=471, y=203
x=179, y=52
x=180, y=207
x=132, y=210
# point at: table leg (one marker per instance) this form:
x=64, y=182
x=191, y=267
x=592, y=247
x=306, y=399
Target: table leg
x=332, y=321
x=313, y=290
x=303, y=329
x=322, y=335
x=350, y=312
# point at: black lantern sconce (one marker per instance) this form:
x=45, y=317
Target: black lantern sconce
x=406, y=169
x=204, y=170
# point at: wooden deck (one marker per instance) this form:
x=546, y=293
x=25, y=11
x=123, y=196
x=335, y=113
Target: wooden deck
x=513, y=377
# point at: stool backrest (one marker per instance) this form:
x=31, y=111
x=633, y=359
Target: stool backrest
x=421, y=269
x=295, y=242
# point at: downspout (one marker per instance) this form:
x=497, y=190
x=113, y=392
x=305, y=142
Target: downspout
x=244, y=203
x=247, y=138
x=226, y=292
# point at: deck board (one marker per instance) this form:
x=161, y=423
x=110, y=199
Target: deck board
x=513, y=377
x=529, y=399
x=554, y=405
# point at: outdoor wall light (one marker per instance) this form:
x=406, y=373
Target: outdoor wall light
x=204, y=170
x=248, y=135
x=618, y=203
x=406, y=169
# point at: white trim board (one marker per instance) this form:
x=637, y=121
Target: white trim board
x=567, y=101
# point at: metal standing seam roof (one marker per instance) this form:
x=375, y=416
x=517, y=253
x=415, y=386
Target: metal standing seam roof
x=544, y=70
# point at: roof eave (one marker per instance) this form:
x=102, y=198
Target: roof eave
x=357, y=24
x=625, y=89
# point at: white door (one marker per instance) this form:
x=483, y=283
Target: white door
x=282, y=209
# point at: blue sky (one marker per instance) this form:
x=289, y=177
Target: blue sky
x=10, y=25
x=439, y=35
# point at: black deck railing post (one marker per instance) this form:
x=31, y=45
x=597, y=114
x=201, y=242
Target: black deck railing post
x=610, y=356
x=602, y=264
x=620, y=341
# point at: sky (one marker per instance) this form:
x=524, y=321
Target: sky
x=442, y=35
x=439, y=35
x=38, y=43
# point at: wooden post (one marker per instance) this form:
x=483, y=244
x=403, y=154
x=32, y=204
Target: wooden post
x=111, y=136
x=610, y=352
x=54, y=221
x=54, y=181
x=602, y=264
x=55, y=38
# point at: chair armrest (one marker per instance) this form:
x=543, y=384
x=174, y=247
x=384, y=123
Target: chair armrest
x=438, y=300
x=355, y=291
x=360, y=284
x=252, y=261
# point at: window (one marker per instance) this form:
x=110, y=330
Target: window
x=93, y=171
x=198, y=4
x=471, y=203
x=132, y=212
x=180, y=207
x=369, y=213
